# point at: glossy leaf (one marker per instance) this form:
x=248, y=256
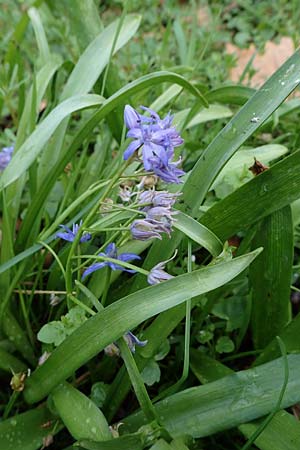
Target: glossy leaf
x=270, y=277
x=80, y=415
x=125, y=314
x=97, y=54
x=29, y=429
x=266, y=193
x=31, y=148
x=198, y=233
x=274, y=435
x=244, y=124
x=245, y=396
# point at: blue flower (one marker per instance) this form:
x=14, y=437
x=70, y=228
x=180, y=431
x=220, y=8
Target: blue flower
x=111, y=252
x=157, y=138
x=167, y=172
x=158, y=198
x=132, y=341
x=5, y=156
x=145, y=229
x=69, y=235
x=157, y=274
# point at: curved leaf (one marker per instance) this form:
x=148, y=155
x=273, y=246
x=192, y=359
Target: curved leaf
x=198, y=233
x=245, y=396
x=31, y=148
x=95, y=57
x=125, y=314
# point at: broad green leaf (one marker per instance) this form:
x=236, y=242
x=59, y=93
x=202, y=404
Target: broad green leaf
x=236, y=95
x=130, y=442
x=270, y=277
x=84, y=18
x=43, y=78
x=18, y=337
x=274, y=435
x=266, y=193
x=258, y=108
x=81, y=416
x=236, y=172
x=125, y=314
x=290, y=336
x=25, y=431
x=213, y=112
x=282, y=433
x=96, y=56
x=161, y=444
x=245, y=396
x=10, y=363
x=166, y=97
x=32, y=147
x=198, y=233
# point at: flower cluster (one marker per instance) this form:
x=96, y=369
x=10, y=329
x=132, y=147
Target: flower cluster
x=5, y=156
x=157, y=138
x=157, y=207
x=157, y=274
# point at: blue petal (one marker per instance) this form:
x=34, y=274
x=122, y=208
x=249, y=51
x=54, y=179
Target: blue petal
x=66, y=236
x=111, y=250
x=128, y=257
x=131, y=117
x=147, y=155
x=93, y=268
x=132, y=147
x=66, y=229
x=86, y=237
x=135, y=133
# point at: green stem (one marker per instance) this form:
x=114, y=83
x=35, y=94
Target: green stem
x=10, y=404
x=187, y=338
x=82, y=305
x=116, y=261
x=68, y=277
x=106, y=286
x=137, y=382
x=26, y=319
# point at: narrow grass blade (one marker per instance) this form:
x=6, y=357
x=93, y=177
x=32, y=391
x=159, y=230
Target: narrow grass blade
x=40, y=35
